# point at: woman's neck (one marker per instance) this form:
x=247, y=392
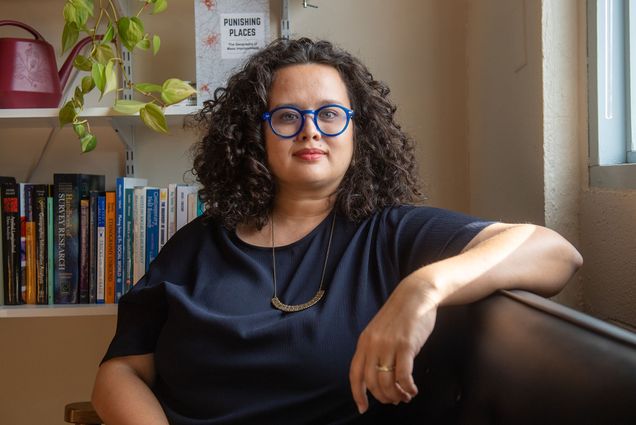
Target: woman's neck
x=294, y=216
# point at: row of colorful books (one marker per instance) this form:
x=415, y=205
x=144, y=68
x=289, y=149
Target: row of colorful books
x=74, y=242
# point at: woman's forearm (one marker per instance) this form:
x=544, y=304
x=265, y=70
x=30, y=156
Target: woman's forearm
x=503, y=256
x=122, y=397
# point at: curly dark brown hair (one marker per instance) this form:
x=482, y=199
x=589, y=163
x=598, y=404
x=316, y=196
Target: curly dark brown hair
x=230, y=160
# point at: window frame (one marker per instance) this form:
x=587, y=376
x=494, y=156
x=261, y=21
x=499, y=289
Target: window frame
x=611, y=66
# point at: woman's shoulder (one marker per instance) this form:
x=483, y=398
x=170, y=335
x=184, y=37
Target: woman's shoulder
x=189, y=239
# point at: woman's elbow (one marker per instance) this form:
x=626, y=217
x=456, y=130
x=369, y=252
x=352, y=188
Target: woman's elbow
x=568, y=260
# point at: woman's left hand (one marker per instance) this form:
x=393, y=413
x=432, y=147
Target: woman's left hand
x=383, y=360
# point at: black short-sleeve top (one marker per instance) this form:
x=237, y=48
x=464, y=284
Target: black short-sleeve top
x=224, y=355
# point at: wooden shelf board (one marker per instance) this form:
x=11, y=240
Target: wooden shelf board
x=57, y=310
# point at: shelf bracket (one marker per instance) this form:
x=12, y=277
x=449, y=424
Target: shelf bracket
x=126, y=134
x=285, y=31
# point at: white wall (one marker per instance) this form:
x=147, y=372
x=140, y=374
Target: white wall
x=505, y=143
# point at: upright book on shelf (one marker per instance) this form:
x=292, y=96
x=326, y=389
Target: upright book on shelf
x=9, y=194
x=40, y=199
x=101, y=249
x=84, y=251
x=69, y=189
x=139, y=233
x=109, y=248
x=152, y=224
x=121, y=279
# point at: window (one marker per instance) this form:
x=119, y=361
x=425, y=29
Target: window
x=612, y=92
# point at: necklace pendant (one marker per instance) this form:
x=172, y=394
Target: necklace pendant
x=287, y=308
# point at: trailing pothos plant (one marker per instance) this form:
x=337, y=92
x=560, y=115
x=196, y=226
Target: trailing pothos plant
x=104, y=64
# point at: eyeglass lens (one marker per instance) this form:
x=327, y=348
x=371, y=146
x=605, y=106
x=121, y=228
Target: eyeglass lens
x=330, y=120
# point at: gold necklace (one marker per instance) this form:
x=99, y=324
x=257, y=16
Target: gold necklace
x=291, y=308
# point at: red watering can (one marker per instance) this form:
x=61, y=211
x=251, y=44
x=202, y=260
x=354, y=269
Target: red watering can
x=28, y=71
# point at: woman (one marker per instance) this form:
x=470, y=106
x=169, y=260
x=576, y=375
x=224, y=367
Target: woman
x=311, y=283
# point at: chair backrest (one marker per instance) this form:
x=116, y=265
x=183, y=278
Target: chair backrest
x=517, y=358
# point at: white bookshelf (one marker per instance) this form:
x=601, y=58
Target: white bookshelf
x=57, y=310
x=101, y=116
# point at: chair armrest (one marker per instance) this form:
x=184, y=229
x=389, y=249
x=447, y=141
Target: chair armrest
x=81, y=413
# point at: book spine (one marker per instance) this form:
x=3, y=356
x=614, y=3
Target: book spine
x=119, y=240
x=163, y=217
x=152, y=225
x=101, y=248
x=23, y=264
x=92, y=246
x=84, y=252
x=30, y=244
x=50, y=284
x=172, y=209
x=2, y=259
x=66, y=239
x=41, y=249
x=139, y=234
x=192, y=207
x=109, y=260
x=10, y=192
x=128, y=239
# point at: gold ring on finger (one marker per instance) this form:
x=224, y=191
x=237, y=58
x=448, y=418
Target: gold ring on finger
x=383, y=368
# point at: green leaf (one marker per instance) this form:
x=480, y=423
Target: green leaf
x=79, y=129
x=148, y=87
x=109, y=35
x=153, y=117
x=98, y=76
x=131, y=31
x=79, y=97
x=111, y=77
x=156, y=43
x=128, y=107
x=83, y=63
x=103, y=53
x=175, y=90
x=143, y=44
x=85, y=5
x=160, y=6
x=69, y=36
x=88, y=142
x=87, y=84
x=67, y=113
x=70, y=13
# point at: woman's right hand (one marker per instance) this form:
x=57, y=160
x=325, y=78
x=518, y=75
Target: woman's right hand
x=122, y=393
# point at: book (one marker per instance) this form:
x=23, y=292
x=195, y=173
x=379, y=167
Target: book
x=3, y=179
x=23, y=263
x=182, y=204
x=40, y=211
x=69, y=189
x=84, y=252
x=109, y=249
x=163, y=217
x=50, y=251
x=128, y=239
x=122, y=184
x=192, y=206
x=9, y=194
x=139, y=234
x=92, y=245
x=172, y=209
x=30, y=244
x=101, y=248
x=152, y=225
